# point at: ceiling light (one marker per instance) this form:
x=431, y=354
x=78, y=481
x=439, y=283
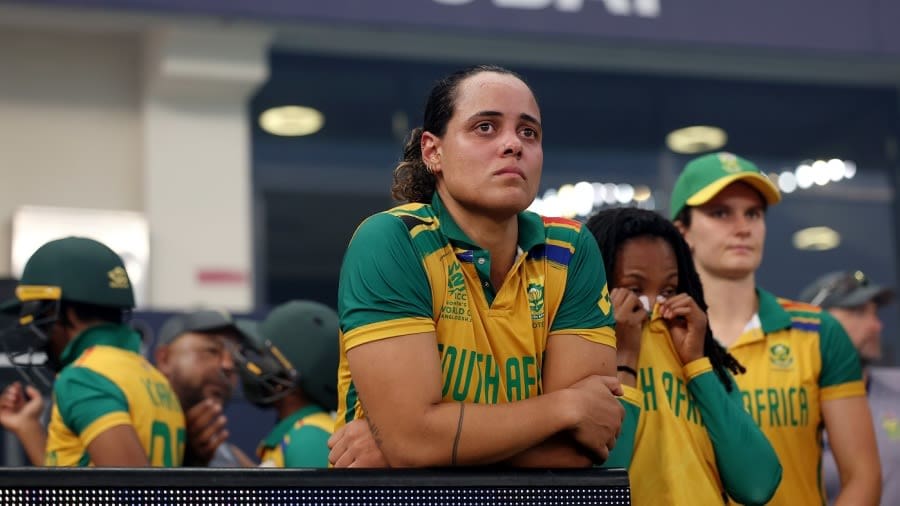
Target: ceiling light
x=642, y=193
x=696, y=139
x=583, y=198
x=816, y=239
x=609, y=193
x=566, y=198
x=821, y=175
x=624, y=193
x=599, y=194
x=787, y=181
x=551, y=206
x=805, y=176
x=291, y=120
x=836, y=169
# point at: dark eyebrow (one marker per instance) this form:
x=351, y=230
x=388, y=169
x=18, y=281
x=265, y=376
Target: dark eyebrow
x=494, y=114
x=530, y=118
x=486, y=114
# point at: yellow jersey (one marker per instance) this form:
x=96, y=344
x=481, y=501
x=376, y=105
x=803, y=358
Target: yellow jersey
x=797, y=357
x=105, y=383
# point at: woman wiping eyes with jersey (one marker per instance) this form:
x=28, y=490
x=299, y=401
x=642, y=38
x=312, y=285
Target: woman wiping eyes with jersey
x=693, y=441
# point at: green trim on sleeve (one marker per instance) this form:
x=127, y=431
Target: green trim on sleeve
x=382, y=277
x=83, y=396
x=308, y=447
x=840, y=360
x=737, y=441
x=621, y=454
x=585, y=286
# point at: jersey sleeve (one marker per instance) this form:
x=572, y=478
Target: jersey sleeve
x=586, y=308
x=308, y=447
x=383, y=289
x=841, y=374
x=89, y=403
x=735, y=437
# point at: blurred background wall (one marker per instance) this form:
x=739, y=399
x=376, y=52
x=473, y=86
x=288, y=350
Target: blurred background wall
x=156, y=107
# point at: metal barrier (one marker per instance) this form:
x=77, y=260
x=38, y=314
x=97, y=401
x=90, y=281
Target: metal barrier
x=321, y=487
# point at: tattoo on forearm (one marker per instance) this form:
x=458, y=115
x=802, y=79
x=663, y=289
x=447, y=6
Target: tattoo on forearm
x=376, y=434
x=459, y=424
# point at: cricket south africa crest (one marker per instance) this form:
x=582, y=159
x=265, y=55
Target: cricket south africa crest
x=536, y=300
x=780, y=356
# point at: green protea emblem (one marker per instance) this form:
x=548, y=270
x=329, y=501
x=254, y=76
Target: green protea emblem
x=536, y=300
x=780, y=356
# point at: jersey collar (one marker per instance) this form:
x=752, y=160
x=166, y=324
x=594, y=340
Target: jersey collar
x=107, y=334
x=531, y=227
x=771, y=314
x=772, y=318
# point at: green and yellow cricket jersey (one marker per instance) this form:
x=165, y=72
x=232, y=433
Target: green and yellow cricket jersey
x=693, y=439
x=105, y=383
x=412, y=270
x=797, y=358
x=300, y=440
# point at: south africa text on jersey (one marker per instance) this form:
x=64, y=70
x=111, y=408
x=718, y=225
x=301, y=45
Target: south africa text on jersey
x=468, y=372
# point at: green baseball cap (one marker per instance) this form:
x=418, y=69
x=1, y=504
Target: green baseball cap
x=704, y=177
x=74, y=269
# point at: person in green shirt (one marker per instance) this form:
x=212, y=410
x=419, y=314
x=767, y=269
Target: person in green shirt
x=111, y=407
x=474, y=331
x=290, y=365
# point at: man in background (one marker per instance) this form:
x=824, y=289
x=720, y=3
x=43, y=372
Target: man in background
x=854, y=301
x=194, y=352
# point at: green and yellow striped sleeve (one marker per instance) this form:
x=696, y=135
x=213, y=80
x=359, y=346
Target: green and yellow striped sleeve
x=383, y=289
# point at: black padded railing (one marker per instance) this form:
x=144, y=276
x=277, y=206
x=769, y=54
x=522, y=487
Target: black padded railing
x=238, y=487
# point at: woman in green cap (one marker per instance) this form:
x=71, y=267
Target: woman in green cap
x=803, y=373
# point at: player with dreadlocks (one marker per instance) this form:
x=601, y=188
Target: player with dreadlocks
x=692, y=439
